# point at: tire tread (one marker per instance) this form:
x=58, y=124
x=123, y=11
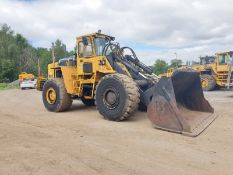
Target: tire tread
x=132, y=91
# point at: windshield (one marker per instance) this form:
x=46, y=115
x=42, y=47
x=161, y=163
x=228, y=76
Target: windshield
x=99, y=45
x=222, y=59
x=225, y=58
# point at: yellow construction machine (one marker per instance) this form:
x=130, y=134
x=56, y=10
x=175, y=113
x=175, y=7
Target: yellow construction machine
x=51, y=73
x=104, y=74
x=40, y=78
x=25, y=76
x=168, y=73
x=216, y=71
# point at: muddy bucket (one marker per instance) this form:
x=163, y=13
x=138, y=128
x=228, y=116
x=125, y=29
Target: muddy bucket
x=178, y=105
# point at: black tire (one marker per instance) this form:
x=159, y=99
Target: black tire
x=211, y=83
x=63, y=100
x=88, y=102
x=117, y=97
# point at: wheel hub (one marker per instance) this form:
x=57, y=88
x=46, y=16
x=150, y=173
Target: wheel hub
x=204, y=83
x=51, y=96
x=111, y=98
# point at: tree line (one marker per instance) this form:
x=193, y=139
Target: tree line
x=18, y=55
x=161, y=66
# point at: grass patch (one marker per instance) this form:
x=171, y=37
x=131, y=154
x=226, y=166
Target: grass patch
x=5, y=86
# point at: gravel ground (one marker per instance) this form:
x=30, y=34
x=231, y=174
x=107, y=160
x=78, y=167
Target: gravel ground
x=34, y=141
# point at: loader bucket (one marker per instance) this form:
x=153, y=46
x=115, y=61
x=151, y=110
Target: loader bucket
x=178, y=105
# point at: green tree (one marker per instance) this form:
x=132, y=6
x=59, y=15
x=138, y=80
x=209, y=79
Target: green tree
x=175, y=63
x=16, y=54
x=71, y=53
x=160, y=66
x=44, y=55
x=59, y=49
x=8, y=71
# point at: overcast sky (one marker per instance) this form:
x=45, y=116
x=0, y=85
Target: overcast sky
x=154, y=28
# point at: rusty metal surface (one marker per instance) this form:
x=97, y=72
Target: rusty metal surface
x=178, y=105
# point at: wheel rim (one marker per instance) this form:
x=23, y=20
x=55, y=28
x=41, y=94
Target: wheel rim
x=111, y=98
x=51, y=96
x=204, y=83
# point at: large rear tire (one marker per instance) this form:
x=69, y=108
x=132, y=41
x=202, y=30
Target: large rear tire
x=55, y=96
x=117, y=97
x=208, y=82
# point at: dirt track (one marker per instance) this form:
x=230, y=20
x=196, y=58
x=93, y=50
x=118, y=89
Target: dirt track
x=34, y=141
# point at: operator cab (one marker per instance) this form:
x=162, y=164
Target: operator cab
x=92, y=45
x=225, y=58
x=87, y=46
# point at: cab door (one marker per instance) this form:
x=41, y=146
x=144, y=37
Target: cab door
x=85, y=53
x=222, y=62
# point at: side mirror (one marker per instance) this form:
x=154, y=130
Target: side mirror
x=85, y=41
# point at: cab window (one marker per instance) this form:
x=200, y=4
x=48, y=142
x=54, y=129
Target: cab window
x=222, y=59
x=85, y=51
x=99, y=45
x=80, y=49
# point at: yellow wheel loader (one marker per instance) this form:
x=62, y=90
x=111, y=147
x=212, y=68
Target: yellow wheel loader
x=112, y=77
x=216, y=71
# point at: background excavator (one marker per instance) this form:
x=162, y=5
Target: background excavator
x=111, y=77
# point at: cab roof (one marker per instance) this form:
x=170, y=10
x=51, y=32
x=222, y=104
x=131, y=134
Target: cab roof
x=222, y=53
x=97, y=34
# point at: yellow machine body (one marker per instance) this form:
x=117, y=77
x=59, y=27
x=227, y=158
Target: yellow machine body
x=74, y=76
x=25, y=76
x=40, y=82
x=219, y=69
x=168, y=73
